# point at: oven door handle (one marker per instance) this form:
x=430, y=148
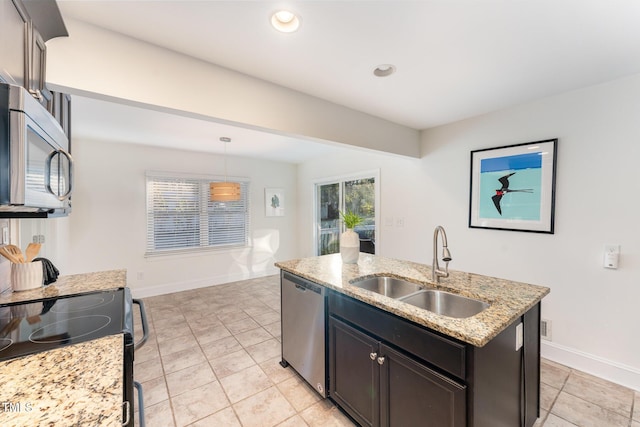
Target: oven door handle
x=138, y=387
x=145, y=326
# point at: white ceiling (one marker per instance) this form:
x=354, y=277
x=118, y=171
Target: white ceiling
x=101, y=120
x=454, y=58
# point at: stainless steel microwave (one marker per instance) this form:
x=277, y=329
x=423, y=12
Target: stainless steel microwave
x=36, y=169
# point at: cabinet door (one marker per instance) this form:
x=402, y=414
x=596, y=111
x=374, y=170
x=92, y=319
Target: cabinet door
x=354, y=373
x=14, y=43
x=37, y=75
x=411, y=394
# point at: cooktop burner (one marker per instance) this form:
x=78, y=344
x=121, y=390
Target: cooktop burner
x=5, y=342
x=50, y=323
x=87, y=303
x=81, y=326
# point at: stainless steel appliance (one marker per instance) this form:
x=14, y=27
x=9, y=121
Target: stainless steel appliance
x=44, y=324
x=36, y=169
x=303, y=329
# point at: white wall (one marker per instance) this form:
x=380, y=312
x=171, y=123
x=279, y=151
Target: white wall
x=593, y=310
x=107, y=228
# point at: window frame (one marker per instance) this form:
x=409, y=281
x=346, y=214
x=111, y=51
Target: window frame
x=205, y=213
x=341, y=179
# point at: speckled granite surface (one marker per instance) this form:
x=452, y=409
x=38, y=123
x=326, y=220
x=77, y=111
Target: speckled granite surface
x=77, y=385
x=508, y=300
x=69, y=285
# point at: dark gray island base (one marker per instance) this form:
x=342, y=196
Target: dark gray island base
x=383, y=369
x=387, y=371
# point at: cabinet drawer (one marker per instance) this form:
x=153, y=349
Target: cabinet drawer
x=431, y=347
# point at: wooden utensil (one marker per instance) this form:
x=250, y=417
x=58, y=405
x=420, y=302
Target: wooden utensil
x=15, y=251
x=32, y=251
x=8, y=255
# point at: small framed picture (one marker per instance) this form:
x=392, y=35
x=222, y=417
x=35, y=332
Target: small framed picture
x=274, y=201
x=513, y=187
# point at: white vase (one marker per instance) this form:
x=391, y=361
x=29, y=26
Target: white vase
x=349, y=246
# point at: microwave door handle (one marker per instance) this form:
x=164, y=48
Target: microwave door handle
x=47, y=174
x=70, y=183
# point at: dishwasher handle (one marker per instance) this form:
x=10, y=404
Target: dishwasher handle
x=303, y=285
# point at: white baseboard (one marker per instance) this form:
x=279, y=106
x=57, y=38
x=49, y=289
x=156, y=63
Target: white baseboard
x=168, y=288
x=609, y=370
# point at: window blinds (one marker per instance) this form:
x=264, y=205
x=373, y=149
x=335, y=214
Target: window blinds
x=180, y=216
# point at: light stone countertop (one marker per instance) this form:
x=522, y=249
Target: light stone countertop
x=70, y=285
x=76, y=385
x=508, y=300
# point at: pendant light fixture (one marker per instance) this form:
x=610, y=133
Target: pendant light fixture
x=224, y=191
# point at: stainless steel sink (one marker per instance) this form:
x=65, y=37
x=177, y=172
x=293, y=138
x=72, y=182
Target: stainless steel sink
x=388, y=286
x=445, y=303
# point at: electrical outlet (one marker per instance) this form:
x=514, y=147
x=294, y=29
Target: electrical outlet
x=38, y=238
x=140, y=275
x=545, y=329
x=519, y=336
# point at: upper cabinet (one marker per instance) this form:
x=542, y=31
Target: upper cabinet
x=15, y=44
x=25, y=26
x=60, y=108
x=38, y=68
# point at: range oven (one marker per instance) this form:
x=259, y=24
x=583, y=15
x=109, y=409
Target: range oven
x=44, y=324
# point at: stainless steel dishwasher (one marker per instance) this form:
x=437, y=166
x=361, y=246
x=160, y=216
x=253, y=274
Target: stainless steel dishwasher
x=303, y=329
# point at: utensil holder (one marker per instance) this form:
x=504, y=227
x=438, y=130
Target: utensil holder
x=26, y=276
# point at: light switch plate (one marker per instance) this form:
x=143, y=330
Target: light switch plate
x=5, y=235
x=611, y=256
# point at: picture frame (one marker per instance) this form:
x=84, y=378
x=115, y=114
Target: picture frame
x=274, y=201
x=513, y=187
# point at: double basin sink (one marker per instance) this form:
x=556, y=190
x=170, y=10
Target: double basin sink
x=437, y=301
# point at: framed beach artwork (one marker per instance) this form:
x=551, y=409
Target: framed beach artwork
x=513, y=187
x=274, y=201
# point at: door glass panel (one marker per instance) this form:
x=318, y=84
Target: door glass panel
x=328, y=206
x=357, y=196
x=360, y=198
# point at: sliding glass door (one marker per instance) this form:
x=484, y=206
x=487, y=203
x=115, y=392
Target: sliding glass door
x=355, y=194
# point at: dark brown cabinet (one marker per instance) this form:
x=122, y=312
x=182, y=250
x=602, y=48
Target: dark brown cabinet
x=388, y=371
x=379, y=386
x=353, y=372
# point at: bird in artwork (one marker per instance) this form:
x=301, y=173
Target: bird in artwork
x=504, y=190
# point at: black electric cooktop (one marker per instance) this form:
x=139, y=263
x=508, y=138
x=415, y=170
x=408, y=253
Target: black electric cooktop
x=35, y=326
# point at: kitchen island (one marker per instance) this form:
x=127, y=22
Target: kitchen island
x=78, y=384
x=392, y=363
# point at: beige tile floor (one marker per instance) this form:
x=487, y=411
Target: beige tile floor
x=212, y=360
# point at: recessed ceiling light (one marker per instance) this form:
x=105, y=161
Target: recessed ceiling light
x=285, y=21
x=384, y=70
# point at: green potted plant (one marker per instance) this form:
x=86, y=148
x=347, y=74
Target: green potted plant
x=349, y=240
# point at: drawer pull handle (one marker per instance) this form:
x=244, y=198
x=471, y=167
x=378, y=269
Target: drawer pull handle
x=373, y=356
x=380, y=360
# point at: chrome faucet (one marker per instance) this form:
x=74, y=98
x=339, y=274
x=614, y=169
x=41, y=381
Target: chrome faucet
x=436, y=273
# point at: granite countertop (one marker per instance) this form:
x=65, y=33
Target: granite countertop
x=77, y=385
x=508, y=300
x=70, y=285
